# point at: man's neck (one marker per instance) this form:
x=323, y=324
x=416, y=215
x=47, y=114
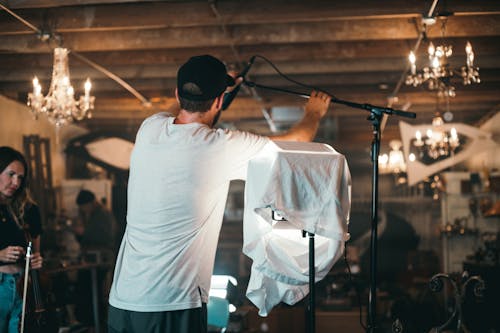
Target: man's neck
x=185, y=117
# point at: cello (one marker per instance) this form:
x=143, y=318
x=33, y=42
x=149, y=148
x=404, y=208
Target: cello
x=34, y=316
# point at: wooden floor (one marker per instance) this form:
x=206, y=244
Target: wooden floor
x=292, y=320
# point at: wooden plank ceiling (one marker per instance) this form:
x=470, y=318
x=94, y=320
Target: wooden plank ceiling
x=357, y=50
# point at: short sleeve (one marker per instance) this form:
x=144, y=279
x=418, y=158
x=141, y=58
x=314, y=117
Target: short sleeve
x=241, y=147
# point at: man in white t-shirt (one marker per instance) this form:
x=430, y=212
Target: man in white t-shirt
x=180, y=170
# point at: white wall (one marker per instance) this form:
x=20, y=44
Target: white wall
x=488, y=160
x=16, y=120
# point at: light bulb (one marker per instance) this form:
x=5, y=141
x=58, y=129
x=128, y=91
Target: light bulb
x=87, y=86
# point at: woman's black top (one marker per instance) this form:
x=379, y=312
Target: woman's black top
x=11, y=234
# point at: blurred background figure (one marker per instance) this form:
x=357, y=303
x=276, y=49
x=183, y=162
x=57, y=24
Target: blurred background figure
x=95, y=231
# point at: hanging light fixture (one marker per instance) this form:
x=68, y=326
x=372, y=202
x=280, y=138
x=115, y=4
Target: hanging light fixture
x=439, y=140
x=438, y=74
x=394, y=162
x=60, y=105
x=437, y=143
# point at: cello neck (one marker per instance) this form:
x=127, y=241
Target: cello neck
x=35, y=281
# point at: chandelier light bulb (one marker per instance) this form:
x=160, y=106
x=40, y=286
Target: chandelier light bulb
x=453, y=133
x=418, y=139
x=383, y=159
x=468, y=48
x=431, y=50
x=37, y=88
x=435, y=62
x=413, y=59
x=470, y=55
x=87, y=86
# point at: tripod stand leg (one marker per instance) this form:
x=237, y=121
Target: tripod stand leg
x=312, y=289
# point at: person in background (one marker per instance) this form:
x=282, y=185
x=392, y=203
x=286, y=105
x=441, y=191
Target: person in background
x=18, y=215
x=95, y=232
x=180, y=171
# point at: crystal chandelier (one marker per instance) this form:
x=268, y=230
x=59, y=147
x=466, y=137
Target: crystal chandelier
x=394, y=161
x=438, y=74
x=60, y=105
x=437, y=143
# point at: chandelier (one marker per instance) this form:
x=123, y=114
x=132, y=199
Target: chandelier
x=438, y=74
x=60, y=105
x=437, y=143
x=393, y=162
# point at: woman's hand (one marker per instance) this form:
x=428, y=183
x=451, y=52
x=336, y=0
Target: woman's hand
x=11, y=254
x=36, y=260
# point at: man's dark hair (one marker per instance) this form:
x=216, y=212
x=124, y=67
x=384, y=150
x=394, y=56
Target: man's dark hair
x=195, y=106
x=200, y=81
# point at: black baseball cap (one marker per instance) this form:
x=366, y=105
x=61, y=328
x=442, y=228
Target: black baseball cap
x=202, y=78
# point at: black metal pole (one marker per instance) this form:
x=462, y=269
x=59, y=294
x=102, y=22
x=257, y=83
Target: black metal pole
x=312, y=288
x=362, y=106
x=372, y=297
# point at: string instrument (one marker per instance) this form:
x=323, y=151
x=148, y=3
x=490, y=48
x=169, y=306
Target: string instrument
x=34, y=316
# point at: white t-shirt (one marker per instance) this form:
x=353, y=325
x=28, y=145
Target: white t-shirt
x=177, y=191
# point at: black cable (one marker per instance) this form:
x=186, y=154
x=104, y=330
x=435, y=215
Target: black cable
x=351, y=280
x=290, y=79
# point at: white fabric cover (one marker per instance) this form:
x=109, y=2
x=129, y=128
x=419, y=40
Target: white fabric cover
x=309, y=185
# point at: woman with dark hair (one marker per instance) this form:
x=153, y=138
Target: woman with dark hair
x=18, y=214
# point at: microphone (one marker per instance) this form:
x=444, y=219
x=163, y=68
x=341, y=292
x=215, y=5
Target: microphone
x=228, y=97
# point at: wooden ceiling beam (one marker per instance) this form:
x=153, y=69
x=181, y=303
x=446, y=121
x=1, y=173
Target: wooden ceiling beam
x=166, y=14
x=320, y=72
x=210, y=36
x=396, y=49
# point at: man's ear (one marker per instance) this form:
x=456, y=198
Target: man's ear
x=177, y=95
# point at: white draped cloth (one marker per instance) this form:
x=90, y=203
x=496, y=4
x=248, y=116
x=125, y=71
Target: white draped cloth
x=309, y=185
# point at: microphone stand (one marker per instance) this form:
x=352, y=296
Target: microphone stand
x=311, y=318
x=375, y=117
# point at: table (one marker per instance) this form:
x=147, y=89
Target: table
x=92, y=267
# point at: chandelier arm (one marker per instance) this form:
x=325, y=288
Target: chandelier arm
x=414, y=49
x=433, y=7
x=234, y=50
x=114, y=77
x=407, y=67
x=29, y=25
